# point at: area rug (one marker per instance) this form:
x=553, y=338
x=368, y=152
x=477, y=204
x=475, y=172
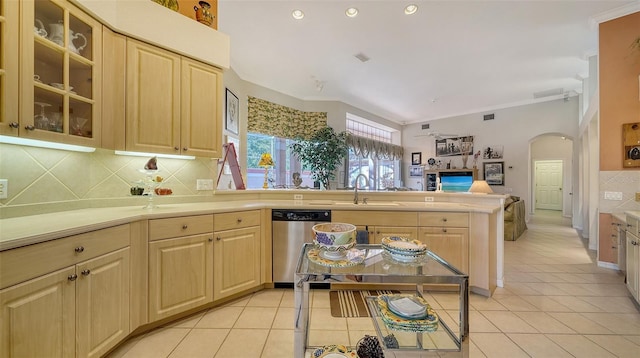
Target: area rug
x=351, y=303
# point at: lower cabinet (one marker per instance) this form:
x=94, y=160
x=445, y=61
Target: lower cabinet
x=376, y=233
x=180, y=275
x=237, y=264
x=81, y=310
x=451, y=244
x=633, y=265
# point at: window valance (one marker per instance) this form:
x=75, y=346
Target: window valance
x=369, y=148
x=281, y=121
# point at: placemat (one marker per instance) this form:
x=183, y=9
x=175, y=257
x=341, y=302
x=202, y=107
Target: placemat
x=351, y=303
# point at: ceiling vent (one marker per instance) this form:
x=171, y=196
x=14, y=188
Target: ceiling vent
x=362, y=57
x=548, y=93
x=488, y=117
x=425, y=126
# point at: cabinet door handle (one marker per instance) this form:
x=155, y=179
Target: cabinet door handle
x=29, y=127
x=14, y=125
x=72, y=277
x=218, y=238
x=79, y=249
x=210, y=239
x=184, y=149
x=444, y=230
x=85, y=272
x=176, y=148
x=184, y=227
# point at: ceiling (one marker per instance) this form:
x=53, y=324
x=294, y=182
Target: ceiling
x=449, y=58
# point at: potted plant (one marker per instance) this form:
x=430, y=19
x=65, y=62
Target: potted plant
x=322, y=153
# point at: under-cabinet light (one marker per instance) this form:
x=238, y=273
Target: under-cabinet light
x=141, y=154
x=44, y=144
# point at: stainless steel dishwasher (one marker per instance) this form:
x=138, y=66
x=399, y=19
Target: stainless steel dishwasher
x=290, y=229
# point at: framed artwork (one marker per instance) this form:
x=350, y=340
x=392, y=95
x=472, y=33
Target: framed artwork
x=232, y=117
x=448, y=147
x=493, y=173
x=492, y=152
x=415, y=170
x=416, y=158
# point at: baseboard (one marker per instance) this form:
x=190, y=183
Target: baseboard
x=608, y=265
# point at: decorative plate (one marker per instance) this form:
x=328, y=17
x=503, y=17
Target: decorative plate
x=431, y=161
x=415, y=260
x=334, y=351
x=352, y=257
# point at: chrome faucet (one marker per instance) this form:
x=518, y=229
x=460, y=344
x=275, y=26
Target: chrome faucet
x=355, y=186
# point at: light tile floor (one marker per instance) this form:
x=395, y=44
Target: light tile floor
x=556, y=303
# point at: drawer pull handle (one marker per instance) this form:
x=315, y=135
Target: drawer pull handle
x=444, y=219
x=85, y=272
x=239, y=220
x=184, y=227
x=72, y=277
x=79, y=249
x=444, y=230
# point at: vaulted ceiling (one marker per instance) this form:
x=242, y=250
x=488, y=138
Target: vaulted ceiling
x=449, y=58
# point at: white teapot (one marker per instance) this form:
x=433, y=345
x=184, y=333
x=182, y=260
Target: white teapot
x=57, y=36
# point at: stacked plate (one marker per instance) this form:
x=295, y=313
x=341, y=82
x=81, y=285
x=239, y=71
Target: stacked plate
x=403, y=248
x=404, y=312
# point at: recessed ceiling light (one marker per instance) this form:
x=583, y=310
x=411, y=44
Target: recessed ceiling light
x=411, y=9
x=297, y=14
x=352, y=12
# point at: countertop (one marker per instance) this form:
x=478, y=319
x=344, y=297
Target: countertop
x=27, y=230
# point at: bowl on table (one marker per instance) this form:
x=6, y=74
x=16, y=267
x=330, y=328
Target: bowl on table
x=334, y=239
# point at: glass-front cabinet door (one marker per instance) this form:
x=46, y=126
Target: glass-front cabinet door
x=9, y=19
x=60, y=73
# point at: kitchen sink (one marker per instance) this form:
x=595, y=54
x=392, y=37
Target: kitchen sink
x=370, y=203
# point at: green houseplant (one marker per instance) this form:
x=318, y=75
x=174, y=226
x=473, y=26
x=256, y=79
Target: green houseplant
x=322, y=153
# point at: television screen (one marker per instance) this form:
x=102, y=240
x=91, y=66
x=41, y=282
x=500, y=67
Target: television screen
x=456, y=181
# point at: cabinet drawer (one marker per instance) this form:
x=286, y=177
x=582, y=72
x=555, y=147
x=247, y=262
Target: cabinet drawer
x=182, y=226
x=443, y=219
x=27, y=262
x=237, y=220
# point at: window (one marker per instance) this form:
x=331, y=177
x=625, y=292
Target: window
x=382, y=173
x=280, y=176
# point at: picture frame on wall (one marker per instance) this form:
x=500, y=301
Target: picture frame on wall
x=492, y=152
x=493, y=173
x=232, y=117
x=416, y=158
x=415, y=170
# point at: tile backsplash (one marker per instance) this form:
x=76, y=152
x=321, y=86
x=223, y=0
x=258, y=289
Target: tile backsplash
x=42, y=180
x=625, y=181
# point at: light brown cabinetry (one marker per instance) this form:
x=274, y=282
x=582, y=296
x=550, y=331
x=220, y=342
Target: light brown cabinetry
x=633, y=257
x=60, y=74
x=380, y=223
x=180, y=267
x=79, y=310
x=237, y=256
x=447, y=235
x=173, y=103
x=607, y=239
x=9, y=27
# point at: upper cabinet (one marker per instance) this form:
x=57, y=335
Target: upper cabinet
x=60, y=73
x=173, y=104
x=9, y=14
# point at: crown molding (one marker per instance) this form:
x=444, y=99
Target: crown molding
x=630, y=8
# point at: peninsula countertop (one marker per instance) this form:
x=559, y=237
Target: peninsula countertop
x=28, y=230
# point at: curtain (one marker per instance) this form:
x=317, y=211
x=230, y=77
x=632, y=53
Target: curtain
x=366, y=147
x=281, y=121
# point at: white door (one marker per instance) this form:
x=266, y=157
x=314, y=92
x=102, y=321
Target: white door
x=549, y=184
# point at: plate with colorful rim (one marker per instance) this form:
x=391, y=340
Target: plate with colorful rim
x=403, y=244
x=334, y=351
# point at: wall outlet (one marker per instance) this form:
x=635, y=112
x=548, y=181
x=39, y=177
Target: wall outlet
x=637, y=196
x=613, y=195
x=428, y=198
x=297, y=196
x=204, y=184
x=4, y=188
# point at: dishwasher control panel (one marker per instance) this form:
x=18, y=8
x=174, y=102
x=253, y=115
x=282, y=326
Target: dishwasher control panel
x=301, y=215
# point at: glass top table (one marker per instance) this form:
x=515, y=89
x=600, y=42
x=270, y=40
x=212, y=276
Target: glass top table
x=371, y=265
